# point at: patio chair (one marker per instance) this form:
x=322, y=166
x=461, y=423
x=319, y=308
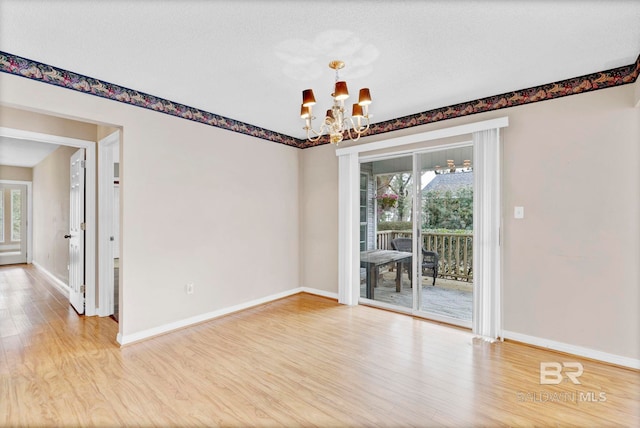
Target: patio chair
x=429, y=258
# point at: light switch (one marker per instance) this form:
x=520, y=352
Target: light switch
x=518, y=212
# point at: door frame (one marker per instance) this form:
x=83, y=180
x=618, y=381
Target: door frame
x=90, y=201
x=416, y=204
x=29, y=185
x=348, y=212
x=106, y=221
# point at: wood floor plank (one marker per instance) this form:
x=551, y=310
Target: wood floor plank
x=299, y=361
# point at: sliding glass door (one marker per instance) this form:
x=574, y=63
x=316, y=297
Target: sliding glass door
x=446, y=234
x=386, y=261
x=416, y=233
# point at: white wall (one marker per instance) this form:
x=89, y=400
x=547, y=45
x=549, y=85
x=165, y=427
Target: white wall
x=199, y=204
x=571, y=271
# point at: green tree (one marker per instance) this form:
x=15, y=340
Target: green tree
x=449, y=210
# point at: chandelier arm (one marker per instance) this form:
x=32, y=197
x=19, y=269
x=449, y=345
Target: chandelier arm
x=312, y=139
x=357, y=130
x=314, y=132
x=366, y=128
x=318, y=134
x=351, y=137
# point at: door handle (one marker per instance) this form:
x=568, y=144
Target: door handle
x=67, y=236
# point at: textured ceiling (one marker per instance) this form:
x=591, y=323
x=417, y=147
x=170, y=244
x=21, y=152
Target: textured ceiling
x=250, y=60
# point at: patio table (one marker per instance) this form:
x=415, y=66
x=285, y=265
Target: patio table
x=372, y=260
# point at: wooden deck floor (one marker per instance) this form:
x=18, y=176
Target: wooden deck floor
x=448, y=297
x=300, y=361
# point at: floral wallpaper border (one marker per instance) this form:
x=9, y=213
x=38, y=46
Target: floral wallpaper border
x=577, y=85
x=30, y=69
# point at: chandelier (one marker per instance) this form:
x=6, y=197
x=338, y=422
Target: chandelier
x=335, y=123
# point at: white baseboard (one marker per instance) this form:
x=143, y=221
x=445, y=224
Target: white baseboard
x=166, y=328
x=317, y=292
x=61, y=286
x=573, y=349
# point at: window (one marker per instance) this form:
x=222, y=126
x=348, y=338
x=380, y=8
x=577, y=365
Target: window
x=16, y=215
x=363, y=212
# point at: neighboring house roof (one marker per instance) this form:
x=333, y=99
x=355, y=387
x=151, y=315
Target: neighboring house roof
x=452, y=182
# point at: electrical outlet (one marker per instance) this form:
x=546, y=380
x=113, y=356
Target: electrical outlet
x=189, y=288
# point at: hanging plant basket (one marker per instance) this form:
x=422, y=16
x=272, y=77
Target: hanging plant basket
x=387, y=201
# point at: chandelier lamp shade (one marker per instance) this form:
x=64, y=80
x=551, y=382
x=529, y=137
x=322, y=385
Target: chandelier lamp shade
x=335, y=123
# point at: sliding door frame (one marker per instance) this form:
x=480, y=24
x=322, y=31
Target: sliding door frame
x=416, y=246
x=349, y=172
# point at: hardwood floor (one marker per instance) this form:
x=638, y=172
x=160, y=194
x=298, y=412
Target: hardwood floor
x=300, y=361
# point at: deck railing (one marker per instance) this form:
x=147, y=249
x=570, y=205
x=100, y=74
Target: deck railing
x=455, y=250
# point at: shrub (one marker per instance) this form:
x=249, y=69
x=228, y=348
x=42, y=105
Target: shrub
x=394, y=225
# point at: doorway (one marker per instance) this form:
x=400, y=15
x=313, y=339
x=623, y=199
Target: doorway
x=485, y=139
x=89, y=253
x=422, y=204
x=14, y=213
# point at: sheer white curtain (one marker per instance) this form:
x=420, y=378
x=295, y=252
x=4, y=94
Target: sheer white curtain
x=348, y=230
x=487, y=320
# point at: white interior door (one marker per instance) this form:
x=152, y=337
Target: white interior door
x=76, y=231
x=108, y=219
x=116, y=222
x=13, y=223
